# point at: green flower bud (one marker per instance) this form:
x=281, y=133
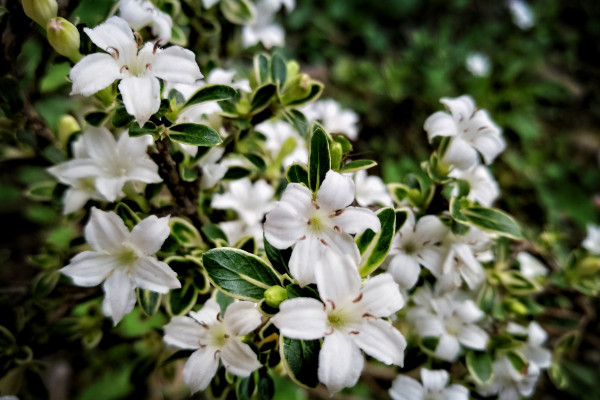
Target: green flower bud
x=275, y=295
x=64, y=37
x=67, y=126
x=336, y=154
x=297, y=89
x=40, y=10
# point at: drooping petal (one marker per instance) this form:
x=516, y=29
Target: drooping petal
x=356, y=220
x=473, y=337
x=447, y=348
x=119, y=295
x=460, y=154
x=110, y=186
x=381, y=296
x=115, y=33
x=337, y=276
x=489, y=146
x=100, y=144
x=76, y=169
x=176, y=64
x=238, y=358
x=303, y=259
x=242, y=318
x=90, y=268
x=462, y=108
x=405, y=270
x=379, y=339
x=141, y=96
x=336, y=192
x=301, y=318
x=74, y=200
x=439, y=124
x=434, y=380
x=105, y=231
x=340, y=362
x=406, y=388
x=151, y=274
x=283, y=226
x=183, y=332
x=93, y=73
x=200, y=368
x=149, y=234
x=208, y=313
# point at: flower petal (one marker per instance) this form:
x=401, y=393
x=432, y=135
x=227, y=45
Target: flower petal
x=430, y=230
x=462, y=108
x=149, y=234
x=75, y=199
x=238, y=358
x=439, y=124
x=473, y=337
x=356, y=220
x=337, y=277
x=116, y=33
x=105, y=231
x=100, y=144
x=379, y=339
x=340, y=362
x=141, y=96
x=208, y=313
x=176, y=64
x=405, y=270
x=71, y=170
x=432, y=257
x=489, y=146
x=144, y=170
x=406, y=388
x=283, y=226
x=119, y=295
x=242, y=318
x=90, y=268
x=110, y=187
x=455, y=392
x=460, y=154
x=151, y=274
x=183, y=332
x=303, y=259
x=434, y=380
x=301, y=318
x=381, y=296
x=93, y=73
x=200, y=368
x=468, y=311
x=299, y=197
x=336, y=192
x=447, y=348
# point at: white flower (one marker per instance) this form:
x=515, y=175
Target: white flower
x=483, y=187
x=471, y=130
x=509, y=384
x=533, y=349
x=141, y=13
x=348, y=318
x=122, y=260
x=215, y=338
x=138, y=70
x=263, y=29
x=278, y=133
x=251, y=201
x=449, y=319
x=478, y=64
x=461, y=263
x=238, y=229
x=275, y=5
x=212, y=170
x=370, y=190
x=109, y=163
x=592, y=241
x=434, y=387
x=333, y=118
x=531, y=267
x=209, y=3
x=319, y=224
x=521, y=14
x=417, y=244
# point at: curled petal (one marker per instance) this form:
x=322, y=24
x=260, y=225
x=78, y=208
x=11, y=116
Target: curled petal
x=242, y=318
x=93, y=73
x=379, y=339
x=238, y=358
x=105, y=231
x=200, y=368
x=183, y=332
x=357, y=220
x=301, y=318
x=90, y=268
x=151, y=274
x=149, y=234
x=176, y=64
x=340, y=362
x=336, y=192
x=141, y=96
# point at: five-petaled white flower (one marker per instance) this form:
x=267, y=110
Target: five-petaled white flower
x=315, y=225
x=334, y=119
x=415, y=244
x=263, y=29
x=215, y=338
x=141, y=13
x=138, y=69
x=449, y=319
x=123, y=260
x=507, y=383
x=348, y=318
x=280, y=136
x=434, y=387
x=592, y=241
x=471, y=130
x=370, y=190
x=110, y=163
x=533, y=350
x=483, y=188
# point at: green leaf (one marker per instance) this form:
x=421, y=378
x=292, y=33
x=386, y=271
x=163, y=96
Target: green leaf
x=375, y=246
x=344, y=142
x=185, y=232
x=297, y=173
x=298, y=121
x=211, y=93
x=121, y=117
x=238, y=273
x=181, y=301
x=96, y=118
x=124, y=212
x=493, y=220
x=261, y=66
x=44, y=283
x=240, y=12
x=278, y=69
x=256, y=160
x=300, y=359
x=175, y=95
x=294, y=290
x=148, y=129
x=401, y=217
x=279, y=258
x=149, y=301
x=194, y=134
x=234, y=173
x=214, y=233
x=262, y=97
x=518, y=362
x=41, y=191
x=479, y=365
x=357, y=165
x=319, y=158
x=517, y=283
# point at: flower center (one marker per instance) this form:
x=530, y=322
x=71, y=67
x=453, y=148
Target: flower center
x=127, y=256
x=339, y=319
x=409, y=248
x=218, y=336
x=318, y=222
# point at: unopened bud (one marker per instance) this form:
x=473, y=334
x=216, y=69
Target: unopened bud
x=298, y=88
x=40, y=10
x=67, y=126
x=275, y=295
x=336, y=154
x=64, y=37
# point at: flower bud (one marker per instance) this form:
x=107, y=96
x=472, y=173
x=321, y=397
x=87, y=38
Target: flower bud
x=64, y=37
x=40, y=10
x=298, y=89
x=275, y=295
x=336, y=154
x=67, y=126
